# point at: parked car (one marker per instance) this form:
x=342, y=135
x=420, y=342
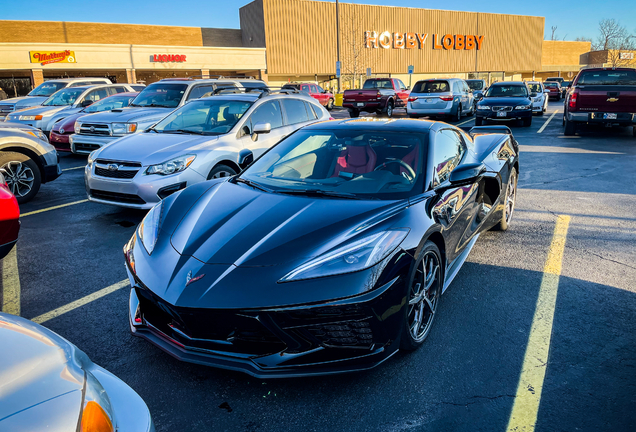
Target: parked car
x=26, y=160
x=506, y=100
x=328, y=254
x=378, y=95
x=200, y=141
x=9, y=219
x=560, y=80
x=325, y=98
x=64, y=103
x=601, y=96
x=448, y=98
x=43, y=92
x=63, y=129
x=540, y=101
x=151, y=105
x=54, y=386
x=478, y=86
x=564, y=88
x=554, y=90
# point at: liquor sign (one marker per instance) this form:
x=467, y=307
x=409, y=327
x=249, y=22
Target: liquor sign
x=626, y=56
x=398, y=40
x=46, y=57
x=168, y=58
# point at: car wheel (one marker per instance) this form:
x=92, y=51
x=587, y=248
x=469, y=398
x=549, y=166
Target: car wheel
x=21, y=174
x=479, y=121
x=527, y=122
x=472, y=110
x=458, y=116
x=541, y=112
x=423, y=296
x=509, y=202
x=354, y=113
x=389, y=109
x=634, y=131
x=221, y=171
x=570, y=128
x=330, y=105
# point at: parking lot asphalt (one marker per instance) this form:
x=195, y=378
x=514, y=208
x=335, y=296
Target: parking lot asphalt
x=465, y=377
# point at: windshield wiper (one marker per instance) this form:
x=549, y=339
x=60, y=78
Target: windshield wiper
x=320, y=192
x=252, y=184
x=185, y=131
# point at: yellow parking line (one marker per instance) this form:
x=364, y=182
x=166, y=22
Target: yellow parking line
x=464, y=122
x=547, y=121
x=53, y=208
x=526, y=406
x=81, y=302
x=73, y=168
x=11, y=283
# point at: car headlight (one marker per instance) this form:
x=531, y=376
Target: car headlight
x=38, y=134
x=351, y=257
x=92, y=156
x=148, y=230
x=483, y=108
x=172, y=166
x=123, y=128
x=77, y=128
x=30, y=117
x=522, y=107
x=97, y=411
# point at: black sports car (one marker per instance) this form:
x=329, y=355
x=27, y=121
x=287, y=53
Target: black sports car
x=328, y=254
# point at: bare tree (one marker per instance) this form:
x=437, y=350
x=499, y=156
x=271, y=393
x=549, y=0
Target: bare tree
x=554, y=29
x=611, y=34
x=583, y=39
x=355, y=57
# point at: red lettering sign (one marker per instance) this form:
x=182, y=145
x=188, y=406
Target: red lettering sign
x=168, y=58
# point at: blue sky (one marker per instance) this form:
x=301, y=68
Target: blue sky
x=577, y=18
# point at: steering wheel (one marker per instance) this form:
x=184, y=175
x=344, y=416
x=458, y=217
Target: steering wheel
x=409, y=174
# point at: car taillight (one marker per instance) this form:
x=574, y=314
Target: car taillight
x=572, y=102
x=378, y=94
x=446, y=98
x=331, y=118
x=412, y=99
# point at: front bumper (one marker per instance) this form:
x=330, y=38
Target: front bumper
x=600, y=117
x=85, y=144
x=51, y=170
x=60, y=141
x=140, y=192
x=510, y=115
x=38, y=124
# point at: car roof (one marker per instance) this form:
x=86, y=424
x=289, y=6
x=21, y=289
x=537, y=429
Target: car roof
x=231, y=96
x=66, y=80
x=375, y=124
x=521, y=83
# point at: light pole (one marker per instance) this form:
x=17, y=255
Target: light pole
x=338, y=41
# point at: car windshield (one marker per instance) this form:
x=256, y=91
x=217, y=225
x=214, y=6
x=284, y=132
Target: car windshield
x=213, y=116
x=552, y=84
x=64, y=97
x=475, y=85
x=160, y=95
x=376, y=84
x=507, y=91
x=431, y=87
x=109, y=103
x=47, y=89
x=536, y=88
x=343, y=163
x=607, y=77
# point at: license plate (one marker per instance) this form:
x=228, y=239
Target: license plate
x=501, y=114
x=609, y=116
x=430, y=100
x=360, y=104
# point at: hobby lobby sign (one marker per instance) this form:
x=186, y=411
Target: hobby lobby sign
x=399, y=40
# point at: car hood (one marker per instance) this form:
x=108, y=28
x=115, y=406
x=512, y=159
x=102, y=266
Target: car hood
x=237, y=225
x=505, y=101
x=43, y=110
x=37, y=368
x=68, y=123
x=153, y=148
x=130, y=114
x=24, y=101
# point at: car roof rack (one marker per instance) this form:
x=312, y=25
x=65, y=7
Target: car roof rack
x=215, y=77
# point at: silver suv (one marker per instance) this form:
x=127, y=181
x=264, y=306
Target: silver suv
x=43, y=91
x=445, y=97
x=151, y=105
x=207, y=138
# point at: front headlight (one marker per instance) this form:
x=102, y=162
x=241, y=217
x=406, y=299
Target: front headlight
x=522, y=107
x=78, y=127
x=30, y=117
x=92, y=157
x=38, y=134
x=123, y=128
x=148, y=230
x=351, y=257
x=97, y=412
x=172, y=166
x=483, y=107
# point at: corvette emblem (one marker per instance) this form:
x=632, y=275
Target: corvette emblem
x=612, y=99
x=190, y=279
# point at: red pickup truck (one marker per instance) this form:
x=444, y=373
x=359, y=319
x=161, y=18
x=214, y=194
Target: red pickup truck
x=378, y=95
x=601, y=95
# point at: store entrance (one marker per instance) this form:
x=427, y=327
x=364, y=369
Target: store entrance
x=15, y=86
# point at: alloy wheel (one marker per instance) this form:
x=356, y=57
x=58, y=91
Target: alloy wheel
x=389, y=110
x=424, y=297
x=19, y=178
x=222, y=174
x=511, y=196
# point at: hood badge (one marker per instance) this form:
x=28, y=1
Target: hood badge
x=612, y=99
x=113, y=167
x=190, y=279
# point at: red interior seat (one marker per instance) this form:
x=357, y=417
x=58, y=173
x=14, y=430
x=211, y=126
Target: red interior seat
x=356, y=160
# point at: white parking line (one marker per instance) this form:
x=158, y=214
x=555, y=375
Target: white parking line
x=547, y=121
x=11, y=283
x=74, y=168
x=81, y=302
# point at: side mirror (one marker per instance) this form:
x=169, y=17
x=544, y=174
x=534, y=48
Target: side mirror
x=466, y=173
x=246, y=157
x=86, y=103
x=533, y=94
x=479, y=96
x=261, y=128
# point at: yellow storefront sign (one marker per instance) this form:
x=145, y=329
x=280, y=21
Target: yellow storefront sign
x=46, y=57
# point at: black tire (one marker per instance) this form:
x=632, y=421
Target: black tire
x=570, y=128
x=541, y=112
x=510, y=200
x=330, y=104
x=419, y=276
x=389, y=109
x=527, y=122
x=22, y=175
x=479, y=121
x=472, y=110
x=634, y=131
x=354, y=113
x=221, y=171
x=414, y=116
x=458, y=115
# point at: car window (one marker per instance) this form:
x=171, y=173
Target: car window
x=269, y=112
x=465, y=86
x=507, y=91
x=447, y=152
x=311, y=111
x=431, y=87
x=160, y=95
x=475, y=84
x=314, y=89
x=607, y=77
x=375, y=84
x=138, y=88
x=109, y=103
x=117, y=89
x=64, y=97
x=199, y=91
x=320, y=89
x=401, y=84
x=47, y=88
x=96, y=95
x=535, y=87
x=304, y=88
x=295, y=111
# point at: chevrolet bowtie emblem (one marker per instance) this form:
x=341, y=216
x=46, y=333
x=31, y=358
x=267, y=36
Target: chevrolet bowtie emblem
x=190, y=279
x=612, y=99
